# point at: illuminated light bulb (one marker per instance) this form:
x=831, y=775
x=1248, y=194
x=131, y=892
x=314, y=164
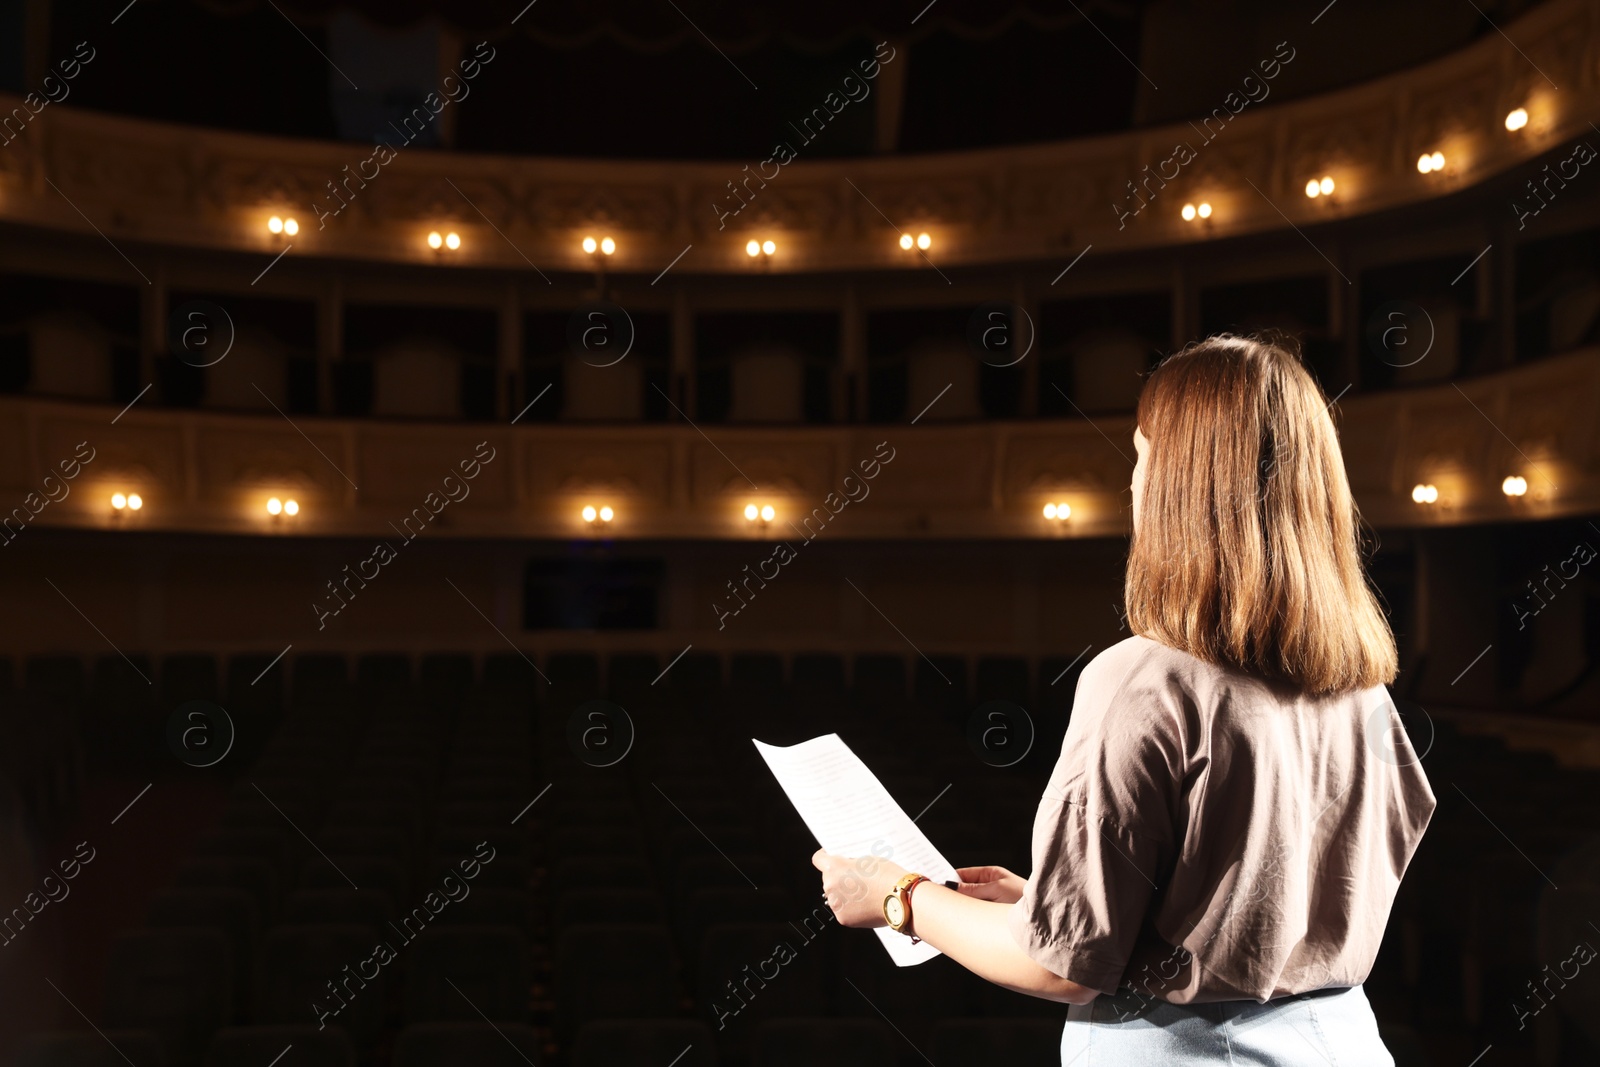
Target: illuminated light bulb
x=588, y=513
x=1049, y=511
x=1063, y=511
x=1326, y=185
x=606, y=514
x=753, y=248
x=135, y=502
x=1313, y=188
x=589, y=246
x=1424, y=494
x=452, y=241
x=119, y=501
x=291, y=227
x=751, y=511
x=768, y=247
x=435, y=239
x=1424, y=163
x=768, y=513
x=905, y=241
x=1188, y=213
x=1204, y=210
x=924, y=241
x=1438, y=160
x=608, y=246
x=291, y=507
x=274, y=506
x=1517, y=119
x=275, y=224
x=1514, y=485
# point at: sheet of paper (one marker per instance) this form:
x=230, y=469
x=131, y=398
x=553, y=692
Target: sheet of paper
x=849, y=811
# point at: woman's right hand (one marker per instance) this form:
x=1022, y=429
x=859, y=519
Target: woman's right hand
x=991, y=883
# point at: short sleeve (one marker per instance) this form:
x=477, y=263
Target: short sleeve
x=1103, y=835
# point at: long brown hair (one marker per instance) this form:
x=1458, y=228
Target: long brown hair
x=1247, y=551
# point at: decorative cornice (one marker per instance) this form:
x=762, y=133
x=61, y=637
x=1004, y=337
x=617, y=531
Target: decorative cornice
x=175, y=186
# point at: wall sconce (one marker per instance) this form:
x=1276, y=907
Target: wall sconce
x=1425, y=493
x=763, y=514
x=1429, y=162
x=1514, y=486
x=760, y=248
x=451, y=240
x=606, y=245
x=922, y=241
x=1517, y=119
x=277, y=225
x=1192, y=211
x=122, y=503
x=1058, y=512
x=1319, y=187
x=277, y=508
x=603, y=513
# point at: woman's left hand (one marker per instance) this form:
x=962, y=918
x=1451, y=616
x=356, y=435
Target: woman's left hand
x=855, y=887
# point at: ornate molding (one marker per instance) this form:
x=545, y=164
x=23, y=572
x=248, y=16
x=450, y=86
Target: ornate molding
x=210, y=472
x=182, y=187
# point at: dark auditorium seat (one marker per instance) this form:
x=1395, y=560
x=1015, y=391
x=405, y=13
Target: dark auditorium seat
x=737, y=952
x=254, y=695
x=509, y=676
x=708, y=906
x=755, y=685
x=914, y=997
x=466, y=973
x=1058, y=685
x=339, y=907
x=232, y=912
x=1002, y=678
x=189, y=676
x=601, y=872
x=696, y=682
x=177, y=983
x=112, y=1048
x=464, y=1044
x=489, y=906
x=123, y=720
x=367, y=872
x=801, y=1042
x=589, y=904
x=57, y=675
x=616, y=971
x=574, y=678
x=382, y=677
x=1015, y=1042
x=251, y=875
x=939, y=688
x=259, y=1046
x=878, y=686
x=678, y=1042
x=320, y=679
x=269, y=843
x=631, y=677
x=821, y=671
x=299, y=962
x=445, y=679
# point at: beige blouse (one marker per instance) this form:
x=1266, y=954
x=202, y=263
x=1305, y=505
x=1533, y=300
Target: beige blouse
x=1207, y=835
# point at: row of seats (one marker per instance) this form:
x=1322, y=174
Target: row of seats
x=258, y=680
x=628, y=892
x=796, y=1042
x=631, y=895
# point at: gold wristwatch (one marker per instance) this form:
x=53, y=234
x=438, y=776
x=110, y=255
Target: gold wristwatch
x=897, y=905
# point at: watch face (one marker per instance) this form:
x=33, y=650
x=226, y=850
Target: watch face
x=894, y=911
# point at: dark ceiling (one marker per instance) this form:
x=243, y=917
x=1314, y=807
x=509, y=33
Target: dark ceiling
x=698, y=79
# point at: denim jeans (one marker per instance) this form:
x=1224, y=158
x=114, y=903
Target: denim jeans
x=1328, y=1028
